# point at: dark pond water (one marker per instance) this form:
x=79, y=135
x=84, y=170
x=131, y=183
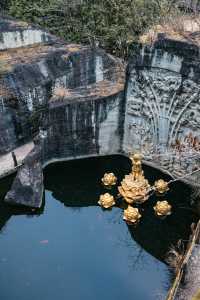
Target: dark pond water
x=72, y=249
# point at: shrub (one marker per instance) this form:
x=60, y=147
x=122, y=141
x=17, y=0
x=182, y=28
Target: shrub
x=112, y=24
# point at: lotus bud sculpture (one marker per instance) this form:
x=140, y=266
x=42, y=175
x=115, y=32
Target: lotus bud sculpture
x=131, y=215
x=106, y=200
x=162, y=208
x=109, y=179
x=161, y=186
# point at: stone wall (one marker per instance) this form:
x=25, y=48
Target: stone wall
x=20, y=34
x=162, y=111
x=68, y=98
x=58, y=88
x=84, y=128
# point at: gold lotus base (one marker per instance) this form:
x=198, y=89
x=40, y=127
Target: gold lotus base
x=134, y=190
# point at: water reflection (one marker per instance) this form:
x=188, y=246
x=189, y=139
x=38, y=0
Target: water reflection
x=80, y=251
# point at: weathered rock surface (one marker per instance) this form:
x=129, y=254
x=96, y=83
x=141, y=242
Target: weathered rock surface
x=27, y=188
x=71, y=96
x=54, y=86
x=162, y=118
x=15, y=34
x=162, y=105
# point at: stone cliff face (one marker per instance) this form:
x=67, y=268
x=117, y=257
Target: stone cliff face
x=63, y=91
x=83, y=128
x=68, y=96
x=19, y=34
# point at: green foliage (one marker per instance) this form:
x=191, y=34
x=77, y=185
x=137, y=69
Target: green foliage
x=113, y=24
x=4, y=4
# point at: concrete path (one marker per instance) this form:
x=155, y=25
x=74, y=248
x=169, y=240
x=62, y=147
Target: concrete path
x=6, y=161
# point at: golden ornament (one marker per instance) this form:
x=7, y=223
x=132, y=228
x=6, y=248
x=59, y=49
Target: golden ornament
x=132, y=215
x=134, y=191
x=109, y=179
x=106, y=200
x=161, y=186
x=162, y=208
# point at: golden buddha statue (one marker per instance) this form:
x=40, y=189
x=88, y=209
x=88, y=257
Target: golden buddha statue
x=137, y=165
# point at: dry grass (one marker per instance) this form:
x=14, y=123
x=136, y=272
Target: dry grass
x=14, y=24
x=5, y=92
x=73, y=48
x=5, y=67
x=102, y=88
x=197, y=296
x=175, y=256
x=61, y=92
x=177, y=27
x=11, y=57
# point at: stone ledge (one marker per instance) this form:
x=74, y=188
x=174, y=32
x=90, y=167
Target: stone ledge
x=27, y=188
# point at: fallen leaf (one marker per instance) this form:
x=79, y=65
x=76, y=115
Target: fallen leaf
x=44, y=242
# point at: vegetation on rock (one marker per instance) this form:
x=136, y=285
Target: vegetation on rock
x=111, y=24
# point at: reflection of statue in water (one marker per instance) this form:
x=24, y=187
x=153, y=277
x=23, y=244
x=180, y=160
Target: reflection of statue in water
x=137, y=166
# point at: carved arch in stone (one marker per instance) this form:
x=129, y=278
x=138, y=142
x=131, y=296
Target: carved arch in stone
x=162, y=106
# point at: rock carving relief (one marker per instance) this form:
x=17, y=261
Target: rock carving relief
x=163, y=118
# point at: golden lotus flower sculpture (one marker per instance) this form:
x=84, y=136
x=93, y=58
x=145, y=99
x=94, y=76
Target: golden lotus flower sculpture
x=134, y=191
x=109, y=179
x=162, y=208
x=132, y=215
x=135, y=188
x=106, y=200
x=161, y=186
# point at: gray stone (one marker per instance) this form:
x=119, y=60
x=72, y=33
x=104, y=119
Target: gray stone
x=70, y=96
x=190, y=282
x=72, y=92
x=27, y=188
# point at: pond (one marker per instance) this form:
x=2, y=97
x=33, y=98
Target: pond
x=72, y=249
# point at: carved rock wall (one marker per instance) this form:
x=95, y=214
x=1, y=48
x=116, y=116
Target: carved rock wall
x=163, y=105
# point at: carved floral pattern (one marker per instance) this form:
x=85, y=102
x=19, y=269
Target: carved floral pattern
x=163, y=118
